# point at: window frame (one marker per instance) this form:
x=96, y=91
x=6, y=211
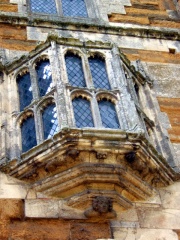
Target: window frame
x=91, y=8
x=37, y=101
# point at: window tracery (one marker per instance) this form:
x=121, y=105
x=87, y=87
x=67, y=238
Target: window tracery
x=34, y=85
x=100, y=80
x=92, y=98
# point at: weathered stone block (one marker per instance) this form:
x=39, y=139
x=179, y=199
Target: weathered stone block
x=12, y=188
x=144, y=234
x=170, y=196
x=159, y=218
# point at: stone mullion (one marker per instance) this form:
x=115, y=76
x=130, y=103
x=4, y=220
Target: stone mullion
x=95, y=112
x=117, y=68
x=130, y=116
x=71, y=118
x=87, y=72
x=59, y=7
x=3, y=123
x=92, y=9
x=35, y=91
x=12, y=132
x=122, y=115
x=128, y=113
x=110, y=70
x=38, y=124
x=57, y=69
x=34, y=83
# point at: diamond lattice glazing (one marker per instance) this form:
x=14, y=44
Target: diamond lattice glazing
x=82, y=113
x=50, y=122
x=74, y=8
x=98, y=72
x=43, y=6
x=75, y=70
x=25, y=90
x=44, y=75
x=108, y=114
x=28, y=134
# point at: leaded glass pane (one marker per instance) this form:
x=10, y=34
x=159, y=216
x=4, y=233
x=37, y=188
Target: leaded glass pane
x=28, y=134
x=25, y=90
x=44, y=75
x=50, y=122
x=75, y=70
x=82, y=113
x=98, y=72
x=43, y=6
x=74, y=8
x=108, y=114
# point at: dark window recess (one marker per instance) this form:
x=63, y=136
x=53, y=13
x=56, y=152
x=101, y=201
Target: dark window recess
x=25, y=90
x=43, y=6
x=82, y=113
x=108, y=114
x=28, y=134
x=50, y=122
x=74, y=8
x=44, y=75
x=75, y=70
x=98, y=72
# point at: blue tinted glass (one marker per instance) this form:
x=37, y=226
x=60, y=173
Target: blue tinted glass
x=74, y=8
x=82, y=113
x=28, y=134
x=108, y=114
x=44, y=75
x=50, y=123
x=98, y=72
x=74, y=70
x=25, y=90
x=43, y=6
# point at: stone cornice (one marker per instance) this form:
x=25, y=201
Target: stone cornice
x=90, y=25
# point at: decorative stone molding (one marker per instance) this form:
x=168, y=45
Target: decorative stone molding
x=77, y=175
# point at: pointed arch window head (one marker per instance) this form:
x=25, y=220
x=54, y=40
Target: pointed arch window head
x=28, y=134
x=82, y=112
x=50, y=122
x=99, y=73
x=44, y=76
x=74, y=70
x=43, y=6
x=74, y=8
x=108, y=114
x=25, y=90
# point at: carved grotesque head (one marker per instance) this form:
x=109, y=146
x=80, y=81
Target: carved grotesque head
x=102, y=204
